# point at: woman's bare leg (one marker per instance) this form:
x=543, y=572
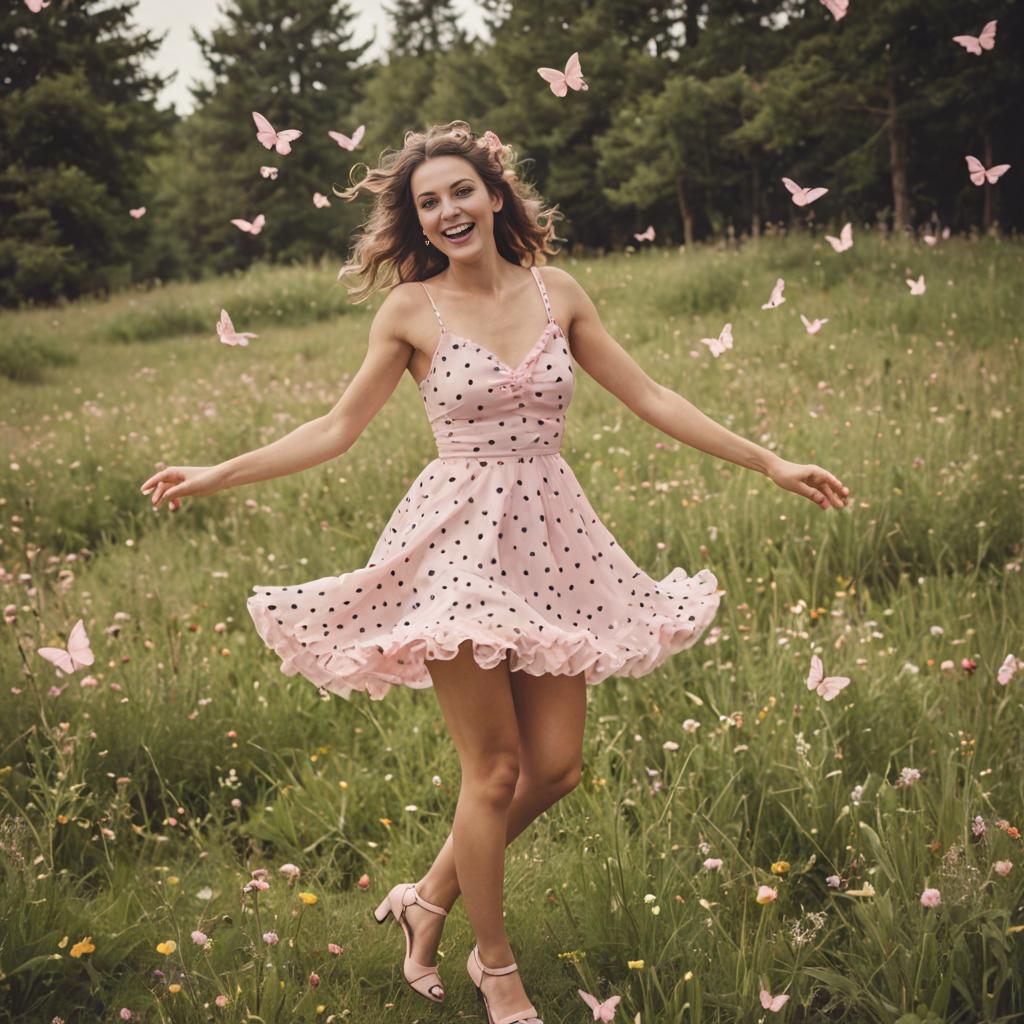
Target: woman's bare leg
x=550, y=714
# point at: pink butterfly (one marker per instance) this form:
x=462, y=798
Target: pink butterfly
x=1010, y=666
x=916, y=287
x=320, y=200
x=139, y=211
x=281, y=141
x=772, y=1003
x=945, y=232
x=980, y=174
x=227, y=333
x=825, y=686
x=78, y=654
x=35, y=6
x=254, y=227
x=349, y=143
x=721, y=343
x=268, y=172
x=844, y=241
x=775, y=299
x=813, y=326
x=562, y=81
x=645, y=236
x=975, y=44
x=803, y=196
x=929, y=239
x=837, y=8
x=602, y=1011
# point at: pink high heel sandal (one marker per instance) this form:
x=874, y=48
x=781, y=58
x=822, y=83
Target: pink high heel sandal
x=477, y=970
x=416, y=975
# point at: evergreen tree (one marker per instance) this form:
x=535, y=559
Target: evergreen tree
x=78, y=122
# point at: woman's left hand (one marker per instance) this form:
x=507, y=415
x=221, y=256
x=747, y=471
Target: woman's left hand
x=810, y=481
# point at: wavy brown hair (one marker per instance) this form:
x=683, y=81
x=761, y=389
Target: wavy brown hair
x=389, y=248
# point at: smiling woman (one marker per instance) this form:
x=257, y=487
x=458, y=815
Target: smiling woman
x=391, y=249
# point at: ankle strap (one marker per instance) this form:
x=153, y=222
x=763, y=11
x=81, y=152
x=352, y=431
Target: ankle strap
x=411, y=896
x=493, y=970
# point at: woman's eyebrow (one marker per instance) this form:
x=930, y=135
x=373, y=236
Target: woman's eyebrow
x=452, y=185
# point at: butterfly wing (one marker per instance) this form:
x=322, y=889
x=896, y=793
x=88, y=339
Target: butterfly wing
x=793, y=187
x=807, y=323
x=778, y=1002
x=766, y=999
x=812, y=194
x=993, y=174
x=606, y=1010
x=987, y=39
x=264, y=130
x=975, y=169
x=555, y=78
x=816, y=673
x=225, y=326
x=241, y=224
x=590, y=1000
x=831, y=685
x=257, y=224
x=847, y=235
x=836, y=243
x=357, y=135
x=285, y=139
x=726, y=336
x=573, y=73
x=58, y=657
x=971, y=44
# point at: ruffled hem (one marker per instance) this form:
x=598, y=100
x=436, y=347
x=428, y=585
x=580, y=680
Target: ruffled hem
x=399, y=658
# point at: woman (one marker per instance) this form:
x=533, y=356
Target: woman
x=494, y=581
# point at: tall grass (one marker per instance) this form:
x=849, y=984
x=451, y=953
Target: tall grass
x=133, y=811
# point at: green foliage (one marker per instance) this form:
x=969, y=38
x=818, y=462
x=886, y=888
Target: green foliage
x=134, y=811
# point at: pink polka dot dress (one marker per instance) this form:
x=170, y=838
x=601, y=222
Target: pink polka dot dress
x=495, y=543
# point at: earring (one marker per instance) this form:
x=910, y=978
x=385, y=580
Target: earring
x=426, y=241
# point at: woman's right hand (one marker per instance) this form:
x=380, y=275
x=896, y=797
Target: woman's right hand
x=177, y=482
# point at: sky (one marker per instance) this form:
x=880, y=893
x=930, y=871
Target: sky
x=179, y=53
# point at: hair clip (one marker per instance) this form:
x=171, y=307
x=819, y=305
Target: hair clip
x=492, y=142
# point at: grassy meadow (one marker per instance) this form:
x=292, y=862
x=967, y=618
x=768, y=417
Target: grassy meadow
x=138, y=796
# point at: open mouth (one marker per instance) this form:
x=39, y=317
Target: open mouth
x=460, y=233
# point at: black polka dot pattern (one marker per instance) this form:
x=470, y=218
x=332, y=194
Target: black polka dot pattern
x=494, y=542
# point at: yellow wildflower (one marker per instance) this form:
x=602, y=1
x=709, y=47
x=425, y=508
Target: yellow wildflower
x=167, y=948
x=83, y=946
x=308, y=898
x=174, y=987
x=637, y=965
x=780, y=867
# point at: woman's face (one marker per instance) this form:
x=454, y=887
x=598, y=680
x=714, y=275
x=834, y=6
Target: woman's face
x=449, y=194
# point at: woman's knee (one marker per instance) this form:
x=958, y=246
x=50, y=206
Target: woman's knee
x=492, y=779
x=556, y=779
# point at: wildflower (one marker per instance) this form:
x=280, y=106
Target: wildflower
x=221, y=1001
x=968, y=665
x=290, y=871
x=833, y=881
x=260, y=873
x=125, y=1013
x=333, y=947
x=1013, y=832
x=82, y=946
x=308, y=898
x=978, y=825
x=636, y=965
x=167, y=948
x=691, y=725
x=650, y=898
x=670, y=745
x=1008, y=668
x=270, y=938
x=174, y=987
x=947, y=665
x=1003, y=867
x=199, y=938
x=713, y=863
x=435, y=780
x=856, y=794
x=936, y=630
x=703, y=848
x=256, y=884
x=908, y=776
x=314, y=979
x=780, y=867
x=364, y=882
x=766, y=894
x=931, y=898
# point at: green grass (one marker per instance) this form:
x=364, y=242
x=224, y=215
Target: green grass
x=194, y=761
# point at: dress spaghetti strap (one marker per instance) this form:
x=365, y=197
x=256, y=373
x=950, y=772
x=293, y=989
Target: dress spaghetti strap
x=436, y=313
x=543, y=293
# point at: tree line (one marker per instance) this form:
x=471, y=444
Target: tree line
x=694, y=111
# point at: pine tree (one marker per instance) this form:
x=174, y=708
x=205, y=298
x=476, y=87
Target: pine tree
x=77, y=126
